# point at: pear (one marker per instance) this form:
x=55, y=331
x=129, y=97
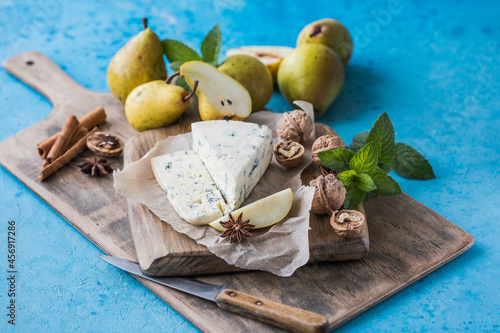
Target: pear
x=156, y=104
x=313, y=73
x=253, y=75
x=219, y=95
x=271, y=56
x=139, y=61
x=331, y=33
x=262, y=213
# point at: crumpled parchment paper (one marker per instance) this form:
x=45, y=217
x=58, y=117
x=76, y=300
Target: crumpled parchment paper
x=280, y=249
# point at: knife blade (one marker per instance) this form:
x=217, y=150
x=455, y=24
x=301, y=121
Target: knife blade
x=269, y=312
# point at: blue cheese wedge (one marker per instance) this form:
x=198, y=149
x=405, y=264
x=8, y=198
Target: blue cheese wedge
x=235, y=153
x=190, y=189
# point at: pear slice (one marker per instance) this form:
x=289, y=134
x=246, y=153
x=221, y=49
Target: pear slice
x=262, y=213
x=271, y=56
x=219, y=95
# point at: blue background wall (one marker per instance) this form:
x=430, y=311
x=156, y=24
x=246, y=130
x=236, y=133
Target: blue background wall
x=433, y=66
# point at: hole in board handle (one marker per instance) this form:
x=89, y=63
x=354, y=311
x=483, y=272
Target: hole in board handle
x=29, y=62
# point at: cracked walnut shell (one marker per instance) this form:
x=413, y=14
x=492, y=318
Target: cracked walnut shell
x=329, y=194
x=324, y=143
x=289, y=154
x=105, y=144
x=348, y=223
x=295, y=126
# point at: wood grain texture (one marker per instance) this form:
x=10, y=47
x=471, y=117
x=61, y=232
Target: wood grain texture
x=164, y=252
x=407, y=239
x=272, y=313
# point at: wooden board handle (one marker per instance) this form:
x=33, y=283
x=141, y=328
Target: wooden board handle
x=272, y=313
x=43, y=75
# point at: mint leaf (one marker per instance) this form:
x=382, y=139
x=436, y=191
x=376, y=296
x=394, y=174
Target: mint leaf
x=386, y=185
x=411, y=164
x=369, y=195
x=365, y=182
x=382, y=133
x=365, y=160
x=337, y=159
x=358, y=141
x=179, y=52
x=210, y=47
x=353, y=197
x=348, y=177
x=385, y=167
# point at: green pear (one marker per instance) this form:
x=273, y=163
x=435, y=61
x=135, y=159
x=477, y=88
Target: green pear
x=331, y=33
x=313, y=73
x=156, y=104
x=253, y=75
x=139, y=61
x=219, y=95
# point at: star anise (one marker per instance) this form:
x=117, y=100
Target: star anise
x=108, y=142
x=95, y=167
x=236, y=229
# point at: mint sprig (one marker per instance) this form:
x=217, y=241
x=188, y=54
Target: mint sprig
x=364, y=168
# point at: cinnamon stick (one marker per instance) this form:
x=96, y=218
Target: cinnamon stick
x=62, y=160
x=90, y=120
x=63, y=140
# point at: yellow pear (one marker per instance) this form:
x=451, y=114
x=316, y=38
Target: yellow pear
x=156, y=104
x=219, y=95
x=139, y=61
x=331, y=33
x=313, y=73
x=253, y=75
x=271, y=56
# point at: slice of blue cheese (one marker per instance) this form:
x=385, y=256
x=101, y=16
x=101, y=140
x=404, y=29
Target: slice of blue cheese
x=235, y=153
x=189, y=187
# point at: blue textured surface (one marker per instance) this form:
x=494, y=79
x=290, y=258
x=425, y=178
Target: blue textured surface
x=433, y=66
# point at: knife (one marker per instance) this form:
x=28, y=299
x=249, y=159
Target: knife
x=269, y=312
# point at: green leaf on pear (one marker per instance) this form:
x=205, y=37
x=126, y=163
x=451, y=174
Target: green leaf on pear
x=179, y=52
x=211, y=45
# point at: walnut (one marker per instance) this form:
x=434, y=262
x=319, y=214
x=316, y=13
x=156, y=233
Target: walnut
x=295, y=126
x=289, y=154
x=329, y=194
x=326, y=142
x=347, y=223
x=105, y=144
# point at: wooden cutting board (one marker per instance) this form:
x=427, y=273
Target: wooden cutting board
x=407, y=239
x=164, y=252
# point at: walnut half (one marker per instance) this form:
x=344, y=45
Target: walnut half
x=289, y=154
x=347, y=223
x=105, y=144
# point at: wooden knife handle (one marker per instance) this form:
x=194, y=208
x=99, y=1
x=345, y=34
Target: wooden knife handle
x=272, y=313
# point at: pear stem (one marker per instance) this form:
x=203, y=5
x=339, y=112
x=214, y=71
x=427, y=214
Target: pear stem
x=188, y=96
x=317, y=29
x=145, y=23
x=171, y=77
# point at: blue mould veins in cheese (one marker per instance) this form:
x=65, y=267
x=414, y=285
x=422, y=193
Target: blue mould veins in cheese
x=231, y=150
x=190, y=189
